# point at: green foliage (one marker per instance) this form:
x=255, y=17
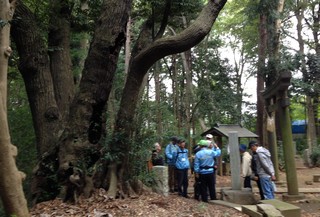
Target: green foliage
x=79, y=50
x=297, y=108
x=85, y=15
x=301, y=145
x=224, y=155
x=216, y=90
x=310, y=83
x=21, y=127
x=239, y=25
x=315, y=156
x=148, y=178
x=145, y=8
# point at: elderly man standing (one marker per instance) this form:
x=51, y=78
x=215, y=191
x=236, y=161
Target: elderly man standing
x=264, y=168
x=246, y=171
x=204, y=168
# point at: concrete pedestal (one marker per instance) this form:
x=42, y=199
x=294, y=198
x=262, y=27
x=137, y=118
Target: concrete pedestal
x=242, y=197
x=287, y=197
x=286, y=209
x=161, y=180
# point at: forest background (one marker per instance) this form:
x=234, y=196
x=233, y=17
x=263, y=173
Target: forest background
x=86, y=90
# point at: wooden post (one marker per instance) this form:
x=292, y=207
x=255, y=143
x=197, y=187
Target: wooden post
x=279, y=90
x=288, y=151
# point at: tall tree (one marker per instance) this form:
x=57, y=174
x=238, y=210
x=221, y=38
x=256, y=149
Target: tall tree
x=79, y=148
x=11, y=191
x=311, y=127
x=144, y=55
x=239, y=28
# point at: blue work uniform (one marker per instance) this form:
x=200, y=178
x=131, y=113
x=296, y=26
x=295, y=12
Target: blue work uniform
x=204, y=166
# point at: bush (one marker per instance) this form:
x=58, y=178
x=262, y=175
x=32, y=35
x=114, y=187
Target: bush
x=301, y=145
x=315, y=156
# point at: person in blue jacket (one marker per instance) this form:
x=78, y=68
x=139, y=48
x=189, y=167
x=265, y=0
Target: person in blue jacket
x=171, y=148
x=204, y=168
x=182, y=164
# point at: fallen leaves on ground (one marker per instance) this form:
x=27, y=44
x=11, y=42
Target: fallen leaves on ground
x=150, y=204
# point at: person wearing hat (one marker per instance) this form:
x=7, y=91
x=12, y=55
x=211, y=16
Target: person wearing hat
x=209, y=137
x=170, y=150
x=264, y=169
x=204, y=168
x=246, y=171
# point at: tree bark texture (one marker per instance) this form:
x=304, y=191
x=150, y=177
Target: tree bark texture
x=157, y=85
x=315, y=33
x=261, y=75
x=11, y=191
x=34, y=66
x=59, y=53
x=273, y=27
x=85, y=125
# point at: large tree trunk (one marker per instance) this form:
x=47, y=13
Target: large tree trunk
x=34, y=66
x=315, y=8
x=76, y=151
x=157, y=85
x=142, y=60
x=11, y=191
x=261, y=75
x=59, y=52
x=188, y=94
x=85, y=124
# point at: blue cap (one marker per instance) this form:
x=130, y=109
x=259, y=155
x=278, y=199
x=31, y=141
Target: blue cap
x=242, y=147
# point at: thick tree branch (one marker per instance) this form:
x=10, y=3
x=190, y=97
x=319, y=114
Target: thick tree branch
x=187, y=38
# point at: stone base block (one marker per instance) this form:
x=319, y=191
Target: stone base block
x=161, y=180
x=287, y=197
x=251, y=210
x=269, y=210
x=286, y=209
x=242, y=197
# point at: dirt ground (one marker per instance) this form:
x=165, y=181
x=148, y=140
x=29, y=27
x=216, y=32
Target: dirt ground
x=147, y=205
x=310, y=206
x=154, y=205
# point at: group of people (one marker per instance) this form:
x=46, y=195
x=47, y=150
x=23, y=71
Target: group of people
x=258, y=166
x=177, y=159
x=203, y=164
